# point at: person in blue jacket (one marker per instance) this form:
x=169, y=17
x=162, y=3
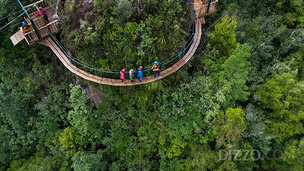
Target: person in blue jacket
x=140, y=73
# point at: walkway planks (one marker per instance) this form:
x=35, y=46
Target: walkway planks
x=17, y=37
x=201, y=6
x=117, y=82
x=40, y=24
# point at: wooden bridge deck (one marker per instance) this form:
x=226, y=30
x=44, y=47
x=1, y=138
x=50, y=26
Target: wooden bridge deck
x=40, y=23
x=117, y=82
x=201, y=6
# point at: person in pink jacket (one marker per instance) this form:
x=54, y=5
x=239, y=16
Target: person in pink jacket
x=122, y=75
x=43, y=12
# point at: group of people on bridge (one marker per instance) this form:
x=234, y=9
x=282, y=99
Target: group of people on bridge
x=27, y=29
x=43, y=13
x=156, y=69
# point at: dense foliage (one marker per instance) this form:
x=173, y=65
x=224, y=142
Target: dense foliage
x=241, y=93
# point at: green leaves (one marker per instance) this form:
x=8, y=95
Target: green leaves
x=83, y=118
x=41, y=162
x=226, y=60
x=175, y=149
x=235, y=72
x=68, y=140
x=190, y=111
x=15, y=108
x=231, y=126
x=281, y=97
x=90, y=162
x=223, y=38
x=293, y=11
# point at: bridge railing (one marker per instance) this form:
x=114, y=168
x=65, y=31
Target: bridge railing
x=39, y=20
x=42, y=31
x=35, y=7
x=109, y=73
x=206, y=1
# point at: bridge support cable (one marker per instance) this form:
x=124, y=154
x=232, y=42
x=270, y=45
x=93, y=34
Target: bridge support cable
x=31, y=20
x=209, y=1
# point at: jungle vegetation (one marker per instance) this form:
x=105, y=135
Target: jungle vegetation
x=243, y=90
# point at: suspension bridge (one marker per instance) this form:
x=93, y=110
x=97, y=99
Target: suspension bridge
x=43, y=34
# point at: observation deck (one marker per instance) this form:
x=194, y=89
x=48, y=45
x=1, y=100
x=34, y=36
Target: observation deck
x=202, y=9
x=40, y=23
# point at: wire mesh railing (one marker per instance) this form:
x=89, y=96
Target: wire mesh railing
x=109, y=71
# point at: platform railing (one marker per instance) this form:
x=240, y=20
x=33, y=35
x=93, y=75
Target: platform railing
x=206, y=1
x=42, y=31
x=203, y=11
x=35, y=7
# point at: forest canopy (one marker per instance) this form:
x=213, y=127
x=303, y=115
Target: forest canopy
x=238, y=104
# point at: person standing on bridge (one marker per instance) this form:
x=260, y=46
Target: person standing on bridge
x=122, y=75
x=132, y=75
x=140, y=73
x=27, y=29
x=156, y=68
x=43, y=12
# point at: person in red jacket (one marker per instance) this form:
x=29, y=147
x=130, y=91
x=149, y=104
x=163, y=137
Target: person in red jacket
x=122, y=75
x=43, y=12
x=37, y=13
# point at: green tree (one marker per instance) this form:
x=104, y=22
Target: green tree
x=42, y=162
x=281, y=98
x=52, y=114
x=223, y=37
x=90, y=162
x=68, y=139
x=293, y=12
x=288, y=155
x=231, y=126
x=86, y=121
x=191, y=109
x=234, y=73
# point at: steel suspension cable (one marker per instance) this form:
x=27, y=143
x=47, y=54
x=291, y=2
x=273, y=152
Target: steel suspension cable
x=78, y=60
x=11, y=27
x=10, y=15
x=1, y=29
x=11, y=21
x=63, y=50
